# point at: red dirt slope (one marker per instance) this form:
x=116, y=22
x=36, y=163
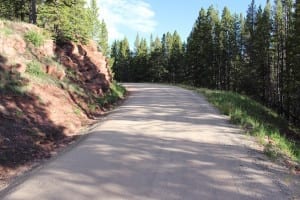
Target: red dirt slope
x=47, y=94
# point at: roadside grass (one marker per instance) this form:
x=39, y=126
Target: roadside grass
x=268, y=127
x=116, y=93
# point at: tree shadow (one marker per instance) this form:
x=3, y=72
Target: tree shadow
x=131, y=160
x=117, y=165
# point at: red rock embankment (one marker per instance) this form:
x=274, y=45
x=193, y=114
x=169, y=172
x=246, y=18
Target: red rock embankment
x=90, y=65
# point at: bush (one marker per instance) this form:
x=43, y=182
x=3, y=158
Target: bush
x=34, y=38
x=34, y=68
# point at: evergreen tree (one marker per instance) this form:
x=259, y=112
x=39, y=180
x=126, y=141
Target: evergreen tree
x=176, y=57
x=250, y=54
x=227, y=42
x=295, y=110
x=94, y=23
x=103, y=39
x=115, y=55
x=121, y=54
x=140, y=61
x=263, y=55
x=212, y=48
x=157, y=70
x=195, y=50
x=68, y=19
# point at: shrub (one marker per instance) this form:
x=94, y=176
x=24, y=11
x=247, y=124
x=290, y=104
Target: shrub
x=34, y=68
x=34, y=38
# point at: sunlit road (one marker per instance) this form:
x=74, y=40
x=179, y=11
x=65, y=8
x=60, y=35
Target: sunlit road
x=163, y=143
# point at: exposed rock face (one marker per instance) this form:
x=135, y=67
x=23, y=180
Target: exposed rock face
x=90, y=65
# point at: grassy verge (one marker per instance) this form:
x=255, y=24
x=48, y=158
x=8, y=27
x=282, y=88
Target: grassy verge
x=271, y=130
x=116, y=93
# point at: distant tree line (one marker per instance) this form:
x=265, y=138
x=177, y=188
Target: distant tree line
x=257, y=55
x=68, y=20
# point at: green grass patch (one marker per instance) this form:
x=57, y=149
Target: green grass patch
x=11, y=83
x=36, y=73
x=77, y=111
x=257, y=120
x=35, y=38
x=116, y=92
x=6, y=31
x=34, y=68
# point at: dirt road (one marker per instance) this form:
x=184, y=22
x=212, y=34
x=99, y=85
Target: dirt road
x=163, y=143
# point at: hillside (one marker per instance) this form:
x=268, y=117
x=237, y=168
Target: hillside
x=48, y=92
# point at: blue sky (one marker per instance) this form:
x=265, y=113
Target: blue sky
x=129, y=17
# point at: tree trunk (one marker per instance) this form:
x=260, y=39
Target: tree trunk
x=33, y=16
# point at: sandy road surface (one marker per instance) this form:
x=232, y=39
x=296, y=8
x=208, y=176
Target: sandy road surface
x=163, y=143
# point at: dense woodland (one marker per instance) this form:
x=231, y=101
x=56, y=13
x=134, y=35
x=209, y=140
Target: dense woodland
x=257, y=55
x=67, y=20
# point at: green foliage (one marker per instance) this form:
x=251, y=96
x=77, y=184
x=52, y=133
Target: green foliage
x=163, y=61
x=6, y=31
x=35, y=38
x=115, y=93
x=257, y=120
x=77, y=111
x=68, y=21
x=11, y=83
x=15, y=10
x=121, y=54
x=34, y=68
x=103, y=39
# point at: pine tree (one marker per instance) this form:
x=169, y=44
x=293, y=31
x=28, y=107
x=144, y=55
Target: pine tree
x=94, y=23
x=250, y=54
x=195, y=51
x=157, y=70
x=279, y=57
x=296, y=59
x=212, y=47
x=115, y=51
x=176, y=57
x=120, y=52
x=68, y=19
x=103, y=39
x=237, y=52
x=125, y=57
x=140, y=61
x=263, y=54
x=227, y=41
